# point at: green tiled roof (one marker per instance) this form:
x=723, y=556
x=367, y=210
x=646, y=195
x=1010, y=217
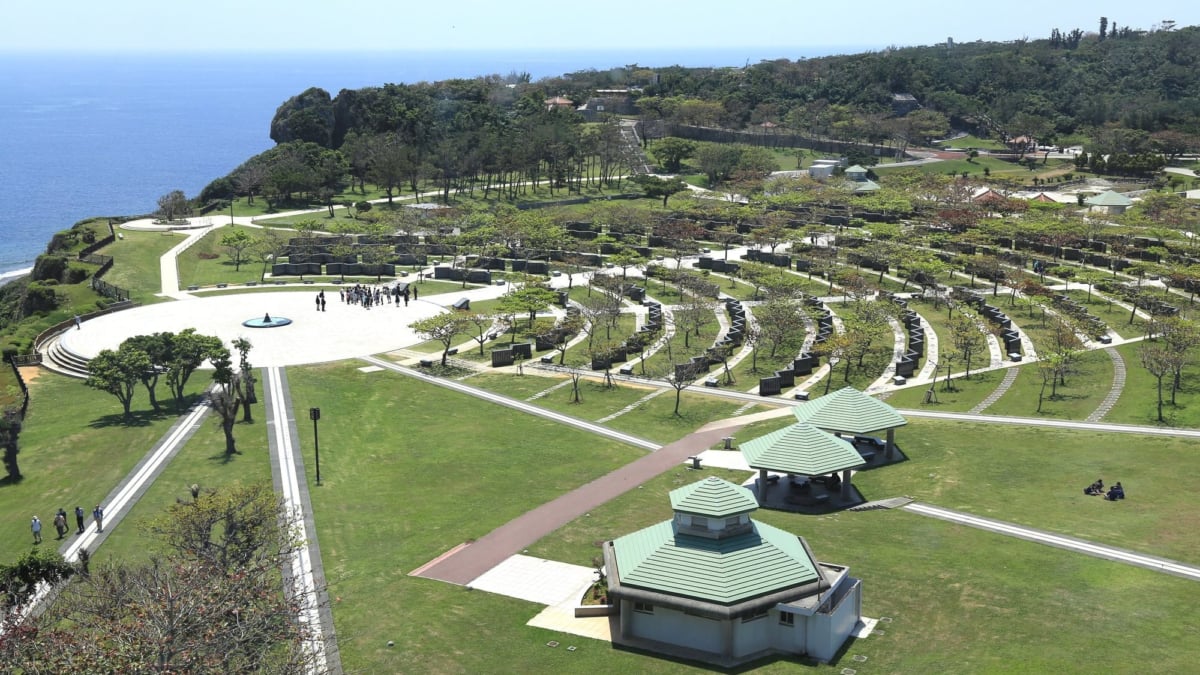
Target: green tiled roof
x=864, y=186
x=801, y=449
x=855, y=169
x=851, y=411
x=714, y=498
x=724, y=571
x=1108, y=198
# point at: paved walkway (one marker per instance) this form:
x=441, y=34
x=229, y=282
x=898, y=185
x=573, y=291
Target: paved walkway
x=465, y=563
x=305, y=573
x=1118, y=386
x=1070, y=543
x=1001, y=389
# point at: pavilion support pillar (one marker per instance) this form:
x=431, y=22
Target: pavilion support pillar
x=891, y=444
x=846, y=493
x=727, y=638
x=762, y=487
x=624, y=617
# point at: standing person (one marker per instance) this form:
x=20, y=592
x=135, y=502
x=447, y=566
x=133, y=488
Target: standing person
x=414, y=293
x=78, y=323
x=79, y=518
x=318, y=302
x=406, y=296
x=36, y=526
x=60, y=523
x=98, y=516
x=321, y=300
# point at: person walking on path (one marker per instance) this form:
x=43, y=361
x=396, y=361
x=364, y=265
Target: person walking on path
x=406, y=296
x=78, y=323
x=60, y=523
x=36, y=526
x=79, y=518
x=321, y=299
x=98, y=516
x=414, y=293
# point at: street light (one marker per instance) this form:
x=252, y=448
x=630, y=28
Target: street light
x=314, y=414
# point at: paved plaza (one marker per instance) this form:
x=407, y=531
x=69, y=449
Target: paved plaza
x=342, y=331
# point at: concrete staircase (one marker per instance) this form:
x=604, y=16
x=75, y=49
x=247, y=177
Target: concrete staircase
x=61, y=360
x=632, y=152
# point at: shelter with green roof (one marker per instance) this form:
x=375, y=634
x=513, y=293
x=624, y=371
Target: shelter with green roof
x=714, y=584
x=804, y=450
x=850, y=411
x=1112, y=203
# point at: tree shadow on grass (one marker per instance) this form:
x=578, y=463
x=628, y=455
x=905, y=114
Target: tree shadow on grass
x=143, y=418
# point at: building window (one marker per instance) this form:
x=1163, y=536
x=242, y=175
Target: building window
x=754, y=617
x=700, y=521
x=730, y=522
x=787, y=619
x=643, y=607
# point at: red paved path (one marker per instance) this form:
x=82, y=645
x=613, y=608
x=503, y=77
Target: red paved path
x=467, y=563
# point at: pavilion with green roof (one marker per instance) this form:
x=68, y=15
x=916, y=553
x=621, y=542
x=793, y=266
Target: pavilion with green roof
x=804, y=450
x=850, y=411
x=1112, y=203
x=716, y=585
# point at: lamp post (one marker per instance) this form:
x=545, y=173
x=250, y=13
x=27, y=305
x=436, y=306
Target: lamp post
x=231, y=211
x=314, y=414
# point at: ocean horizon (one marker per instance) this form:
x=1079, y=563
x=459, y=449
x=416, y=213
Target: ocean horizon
x=105, y=134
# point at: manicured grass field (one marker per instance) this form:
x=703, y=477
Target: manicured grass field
x=74, y=449
x=964, y=395
x=1087, y=386
x=136, y=263
x=411, y=470
x=1139, y=398
x=206, y=262
x=202, y=461
x=964, y=600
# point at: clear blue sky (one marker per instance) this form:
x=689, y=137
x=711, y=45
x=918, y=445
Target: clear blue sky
x=274, y=25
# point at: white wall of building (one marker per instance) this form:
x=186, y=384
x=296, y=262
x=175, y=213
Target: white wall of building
x=675, y=627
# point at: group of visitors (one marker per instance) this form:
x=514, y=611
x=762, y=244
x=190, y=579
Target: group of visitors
x=1097, y=489
x=367, y=297
x=61, y=526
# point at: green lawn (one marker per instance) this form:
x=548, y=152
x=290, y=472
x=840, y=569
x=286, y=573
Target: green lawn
x=136, y=262
x=964, y=395
x=75, y=448
x=976, y=143
x=202, y=461
x=1087, y=386
x=963, y=600
x=206, y=263
x=1138, y=402
x=411, y=470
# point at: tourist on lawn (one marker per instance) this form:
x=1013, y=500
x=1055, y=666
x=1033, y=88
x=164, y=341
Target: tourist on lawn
x=1116, y=492
x=98, y=516
x=36, y=527
x=1096, y=488
x=60, y=523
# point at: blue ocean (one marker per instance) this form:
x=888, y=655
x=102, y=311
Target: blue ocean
x=85, y=135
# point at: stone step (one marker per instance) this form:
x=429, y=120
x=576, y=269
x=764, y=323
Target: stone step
x=63, y=362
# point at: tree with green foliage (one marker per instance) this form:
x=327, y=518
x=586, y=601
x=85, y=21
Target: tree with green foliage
x=208, y=600
x=157, y=348
x=671, y=151
x=172, y=204
x=10, y=432
x=188, y=351
x=118, y=373
x=654, y=187
x=237, y=242
x=529, y=300
x=441, y=328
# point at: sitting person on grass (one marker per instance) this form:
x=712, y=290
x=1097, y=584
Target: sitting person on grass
x=1116, y=492
x=1096, y=488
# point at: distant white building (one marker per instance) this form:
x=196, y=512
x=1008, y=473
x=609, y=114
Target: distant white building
x=715, y=585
